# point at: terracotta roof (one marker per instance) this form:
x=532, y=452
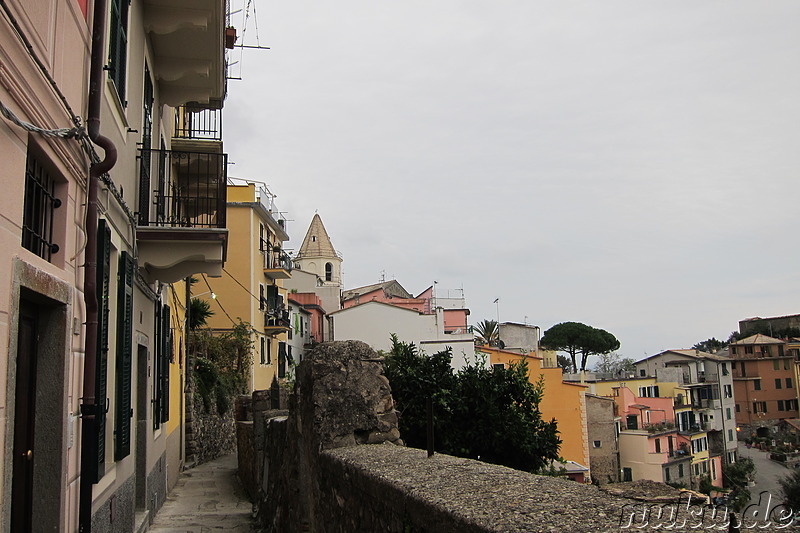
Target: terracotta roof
x=358, y=291
x=758, y=338
x=694, y=354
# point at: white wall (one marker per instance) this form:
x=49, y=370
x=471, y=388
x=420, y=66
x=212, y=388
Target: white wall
x=374, y=322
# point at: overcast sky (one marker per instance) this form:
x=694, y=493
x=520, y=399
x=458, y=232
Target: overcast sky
x=630, y=165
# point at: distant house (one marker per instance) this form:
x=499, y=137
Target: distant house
x=707, y=391
x=764, y=381
x=603, y=439
x=374, y=321
x=561, y=400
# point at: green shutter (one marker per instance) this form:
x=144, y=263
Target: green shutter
x=124, y=356
x=166, y=351
x=101, y=368
x=157, y=369
x=118, y=46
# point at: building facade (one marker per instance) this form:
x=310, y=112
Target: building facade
x=114, y=215
x=251, y=287
x=764, y=382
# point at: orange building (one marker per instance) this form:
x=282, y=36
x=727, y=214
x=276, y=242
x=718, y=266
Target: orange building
x=566, y=402
x=764, y=381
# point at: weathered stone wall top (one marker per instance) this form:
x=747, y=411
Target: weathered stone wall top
x=341, y=388
x=477, y=496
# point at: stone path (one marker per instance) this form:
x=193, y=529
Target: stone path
x=206, y=498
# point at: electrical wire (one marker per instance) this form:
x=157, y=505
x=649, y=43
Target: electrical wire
x=218, y=302
x=256, y=298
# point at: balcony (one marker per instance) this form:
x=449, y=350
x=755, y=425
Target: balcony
x=181, y=216
x=188, y=47
x=276, y=320
x=277, y=263
x=197, y=123
x=692, y=429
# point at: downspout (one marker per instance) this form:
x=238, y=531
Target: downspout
x=89, y=404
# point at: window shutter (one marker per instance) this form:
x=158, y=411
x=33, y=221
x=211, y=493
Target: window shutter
x=166, y=351
x=157, y=347
x=124, y=356
x=101, y=371
x=118, y=46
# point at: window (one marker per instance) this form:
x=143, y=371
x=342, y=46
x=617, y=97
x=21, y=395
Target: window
x=282, y=356
x=261, y=244
x=269, y=351
x=261, y=299
x=765, y=351
x=724, y=369
x=118, y=46
x=778, y=383
x=757, y=384
x=744, y=370
x=733, y=365
x=658, y=445
x=328, y=272
x=738, y=409
x=776, y=364
x=733, y=351
x=680, y=471
x=38, y=208
x=597, y=444
x=780, y=350
x=759, y=407
x=728, y=391
x=728, y=413
x=730, y=435
x=642, y=372
x=263, y=350
x=145, y=163
x=666, y=475
x=748, y=349
x=780, y=405
x=786, y=364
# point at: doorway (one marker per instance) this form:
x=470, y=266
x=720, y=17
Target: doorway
x=24, y=419
x=37, y=432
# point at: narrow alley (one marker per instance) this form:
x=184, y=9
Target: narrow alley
x=206, y=498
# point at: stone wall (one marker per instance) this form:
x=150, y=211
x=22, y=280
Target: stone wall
x=212, y=434
x=334, y=463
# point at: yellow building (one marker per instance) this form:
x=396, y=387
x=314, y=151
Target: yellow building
x=251, y=287
x=566, y=402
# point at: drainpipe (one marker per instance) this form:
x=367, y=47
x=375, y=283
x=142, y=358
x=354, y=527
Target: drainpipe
x=90, y=405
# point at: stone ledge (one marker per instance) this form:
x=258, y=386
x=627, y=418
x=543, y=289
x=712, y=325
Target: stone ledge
x=476, y=496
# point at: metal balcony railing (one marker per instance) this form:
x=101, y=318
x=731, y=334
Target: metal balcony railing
x=277, y=318
x=198, y=123
x=276, y=258
x=182, y=189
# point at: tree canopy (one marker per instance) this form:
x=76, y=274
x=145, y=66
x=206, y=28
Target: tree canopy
x=613, y=363
x=576, y=338
x=491, y=414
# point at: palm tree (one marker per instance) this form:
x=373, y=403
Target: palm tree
x=199, y=312
x=488, y=332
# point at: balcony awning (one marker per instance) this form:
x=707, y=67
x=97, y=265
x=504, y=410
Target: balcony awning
x=188, y=42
